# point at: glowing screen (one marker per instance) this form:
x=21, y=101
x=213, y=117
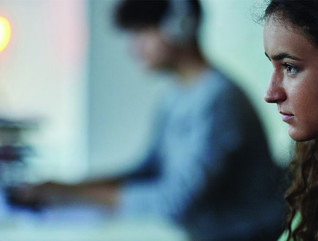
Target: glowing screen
x=5, y=33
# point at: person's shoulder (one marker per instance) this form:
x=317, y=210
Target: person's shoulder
x=223, y=82
x=225, y=88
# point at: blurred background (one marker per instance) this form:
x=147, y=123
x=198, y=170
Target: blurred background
x=66, y=67
x=84, y=106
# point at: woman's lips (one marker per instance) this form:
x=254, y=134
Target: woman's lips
x=286, y=117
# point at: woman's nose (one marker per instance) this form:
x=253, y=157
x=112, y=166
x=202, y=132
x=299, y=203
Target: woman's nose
x=275, y=91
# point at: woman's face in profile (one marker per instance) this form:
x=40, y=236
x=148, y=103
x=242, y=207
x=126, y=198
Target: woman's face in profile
x=293, y=85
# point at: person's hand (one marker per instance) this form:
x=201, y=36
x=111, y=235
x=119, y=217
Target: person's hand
x=105, y=194
x=48, y=193
x=35, y=195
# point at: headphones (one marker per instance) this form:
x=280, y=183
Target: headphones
x=179, y=24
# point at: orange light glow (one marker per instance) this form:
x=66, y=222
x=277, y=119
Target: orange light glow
x=5, y=33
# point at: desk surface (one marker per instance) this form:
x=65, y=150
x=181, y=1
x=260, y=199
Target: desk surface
x=56, y=225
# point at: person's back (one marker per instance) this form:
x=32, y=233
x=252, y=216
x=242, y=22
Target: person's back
x=213, y=142
x=212, y=172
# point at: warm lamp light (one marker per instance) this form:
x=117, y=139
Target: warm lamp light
x=5, y=33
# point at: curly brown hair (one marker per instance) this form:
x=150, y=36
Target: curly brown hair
x=302, y=196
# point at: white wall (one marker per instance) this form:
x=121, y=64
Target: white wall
x=42, y=76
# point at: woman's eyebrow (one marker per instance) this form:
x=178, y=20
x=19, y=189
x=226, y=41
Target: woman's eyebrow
x=281, y=56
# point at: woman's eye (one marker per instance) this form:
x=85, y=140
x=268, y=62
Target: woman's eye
x=290, y=69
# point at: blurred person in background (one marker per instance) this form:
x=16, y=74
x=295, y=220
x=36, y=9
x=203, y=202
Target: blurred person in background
x=209, y=168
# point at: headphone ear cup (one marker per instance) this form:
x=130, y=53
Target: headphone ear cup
x=179, y=24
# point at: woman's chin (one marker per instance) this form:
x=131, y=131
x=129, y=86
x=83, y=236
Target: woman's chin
x=301, y=136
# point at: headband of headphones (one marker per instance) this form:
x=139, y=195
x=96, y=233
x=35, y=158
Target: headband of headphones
x=179, y=23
